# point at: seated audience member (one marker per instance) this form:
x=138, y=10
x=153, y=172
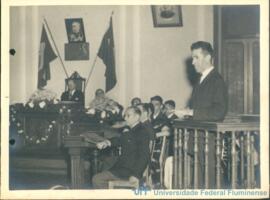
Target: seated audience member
x=169, y=110
x=136, y=101
x=100, y=101
x=145, y=120
x=72, y=94
x=158, y=119
x=114, y=111
x=135, y=153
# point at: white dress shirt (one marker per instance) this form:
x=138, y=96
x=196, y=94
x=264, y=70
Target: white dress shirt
x=205, y=73
x=71, y=92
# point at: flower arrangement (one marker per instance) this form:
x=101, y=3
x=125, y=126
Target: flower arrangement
x=41, y=98
x=112, y=112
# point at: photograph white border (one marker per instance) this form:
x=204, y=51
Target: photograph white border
x=127, y=194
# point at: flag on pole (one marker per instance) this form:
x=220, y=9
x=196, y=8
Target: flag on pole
x=46, y=55
x=106, y=53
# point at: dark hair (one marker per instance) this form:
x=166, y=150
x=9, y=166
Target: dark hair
x=146, y=107
x=157, y=98
x=205, y=46
x=135, y=109
x=171, y=103
x=134, y=99
x=99, y=90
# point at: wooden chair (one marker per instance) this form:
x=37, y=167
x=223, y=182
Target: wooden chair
x=162, y=153
x=127, y=184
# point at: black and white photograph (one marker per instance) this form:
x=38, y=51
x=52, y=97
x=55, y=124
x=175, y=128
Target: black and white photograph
x=169, y=101
x=75, y=30
x=167, y=15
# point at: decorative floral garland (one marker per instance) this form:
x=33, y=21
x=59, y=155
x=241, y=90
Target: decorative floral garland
x=42, y=139
x=42, y=100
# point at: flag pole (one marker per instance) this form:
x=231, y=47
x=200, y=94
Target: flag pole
x=95, y=60
x=58, y=54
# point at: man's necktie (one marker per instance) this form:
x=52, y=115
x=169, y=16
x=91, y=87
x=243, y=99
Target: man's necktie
x=69, y=96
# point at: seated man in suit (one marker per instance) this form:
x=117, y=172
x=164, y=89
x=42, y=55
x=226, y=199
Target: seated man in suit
x=145, y=120
x=169, y=110
x=158, y=119
x=208, y=102
x=135, y=153
x=72, y=94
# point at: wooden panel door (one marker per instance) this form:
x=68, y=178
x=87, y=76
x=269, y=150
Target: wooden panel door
x=233, y=73
x=241, y=71
x=256, y=76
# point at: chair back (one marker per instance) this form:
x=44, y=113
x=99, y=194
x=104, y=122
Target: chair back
x=158, y=156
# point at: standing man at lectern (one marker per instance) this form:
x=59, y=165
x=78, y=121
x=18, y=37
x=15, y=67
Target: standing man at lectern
x=208, y=102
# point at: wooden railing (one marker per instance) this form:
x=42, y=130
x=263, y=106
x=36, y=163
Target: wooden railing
x=196, y=142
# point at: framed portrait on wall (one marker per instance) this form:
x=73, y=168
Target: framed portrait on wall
x=167, y=15
x=75, y=30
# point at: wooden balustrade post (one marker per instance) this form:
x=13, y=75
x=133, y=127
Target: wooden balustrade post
x=180, y=160
x=206, y=167
x=94, y=163
x=218, y=161
x=252, y=162
x=77, y=168
x=175, y=159
x=234, y=161
x=196, y=161
x=242, y=172
x=248, y=142
x=186, y=137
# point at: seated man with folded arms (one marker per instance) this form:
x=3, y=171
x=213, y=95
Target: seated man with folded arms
x=135, y=153
x=158, y=119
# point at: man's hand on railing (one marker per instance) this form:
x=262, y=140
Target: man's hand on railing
x=184, y=112
x=104, y=144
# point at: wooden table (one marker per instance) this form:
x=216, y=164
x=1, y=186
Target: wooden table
x=76, y=149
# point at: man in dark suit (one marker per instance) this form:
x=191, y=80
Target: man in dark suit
x=208, y=102
x=158, y=119
x=169, y=107
x=209, y=98
x=72, y=94
x=145, y=120
x=169, y=110
x=134, y=156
